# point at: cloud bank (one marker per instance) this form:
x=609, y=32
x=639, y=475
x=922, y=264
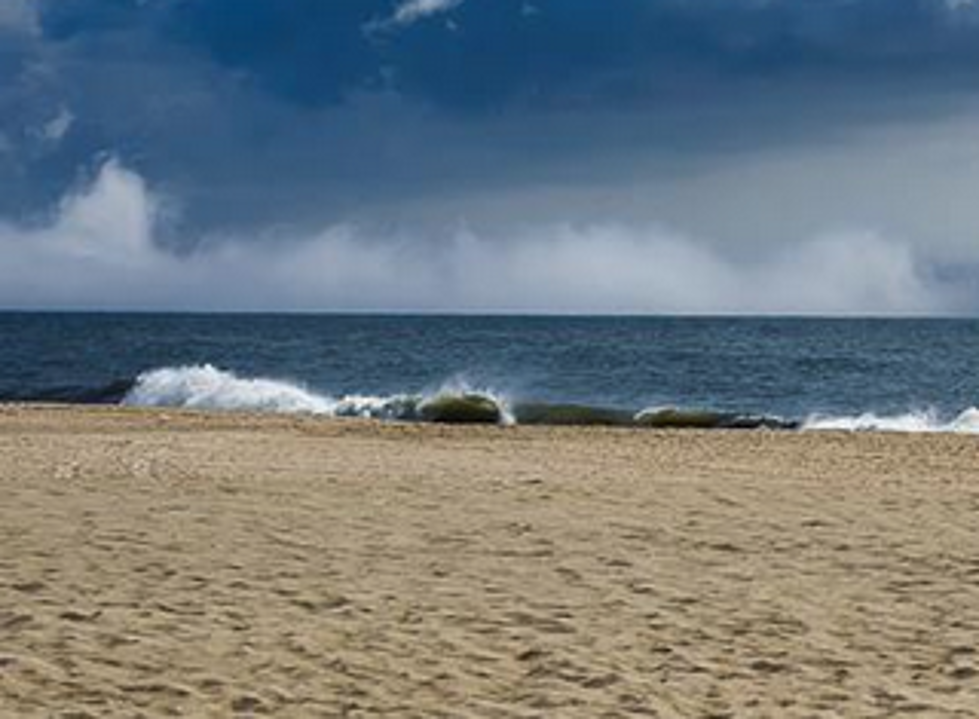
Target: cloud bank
x=98, y=249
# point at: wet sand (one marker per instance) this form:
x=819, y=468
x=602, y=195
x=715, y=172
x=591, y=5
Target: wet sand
x=175, y=564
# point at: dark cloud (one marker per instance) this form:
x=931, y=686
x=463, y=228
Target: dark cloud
x=247, y=117
x=480, y=54
x=306, y=51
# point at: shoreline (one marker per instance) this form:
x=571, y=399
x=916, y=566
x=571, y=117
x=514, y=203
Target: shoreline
x=177, y=561
x=237, y=416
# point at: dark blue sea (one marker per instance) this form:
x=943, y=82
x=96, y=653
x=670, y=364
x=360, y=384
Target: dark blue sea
x=911, y=374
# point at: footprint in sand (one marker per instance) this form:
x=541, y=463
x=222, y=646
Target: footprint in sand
x=247, y=704
x=74, y=615
x=12, y=621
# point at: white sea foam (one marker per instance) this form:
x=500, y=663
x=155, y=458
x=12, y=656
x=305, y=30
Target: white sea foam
x=923, y=421
x=206, y=387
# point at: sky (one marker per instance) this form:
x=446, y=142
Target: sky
x=569, y=156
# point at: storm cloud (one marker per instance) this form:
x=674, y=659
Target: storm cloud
x=551, y=155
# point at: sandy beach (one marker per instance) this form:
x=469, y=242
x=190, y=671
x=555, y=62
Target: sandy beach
x=180, y=564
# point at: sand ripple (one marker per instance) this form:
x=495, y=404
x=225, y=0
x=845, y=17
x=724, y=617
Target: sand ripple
x=177, y=564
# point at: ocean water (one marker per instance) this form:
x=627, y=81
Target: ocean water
x=903, y=375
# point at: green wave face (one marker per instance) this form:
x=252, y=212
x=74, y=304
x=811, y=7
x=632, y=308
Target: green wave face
x=461, y=409
x=680, y=419
x=571, y=415
x=672, y=418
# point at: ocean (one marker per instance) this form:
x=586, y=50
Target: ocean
x=777, y=373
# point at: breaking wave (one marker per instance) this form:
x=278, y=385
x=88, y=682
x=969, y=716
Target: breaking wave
x=652, y=418
x=912, y=422
x=209, y=388
x=206, y=387
x=678, y=418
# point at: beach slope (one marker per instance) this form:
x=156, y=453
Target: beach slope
x=170, y=563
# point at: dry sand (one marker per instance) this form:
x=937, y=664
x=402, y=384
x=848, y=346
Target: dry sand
x=157, y=564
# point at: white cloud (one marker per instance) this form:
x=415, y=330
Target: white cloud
x=408, y=12
x=98, y=250
x=412, y=11
x=107, y=224
x=55, y=129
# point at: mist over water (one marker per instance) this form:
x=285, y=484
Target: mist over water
x=901, y=375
